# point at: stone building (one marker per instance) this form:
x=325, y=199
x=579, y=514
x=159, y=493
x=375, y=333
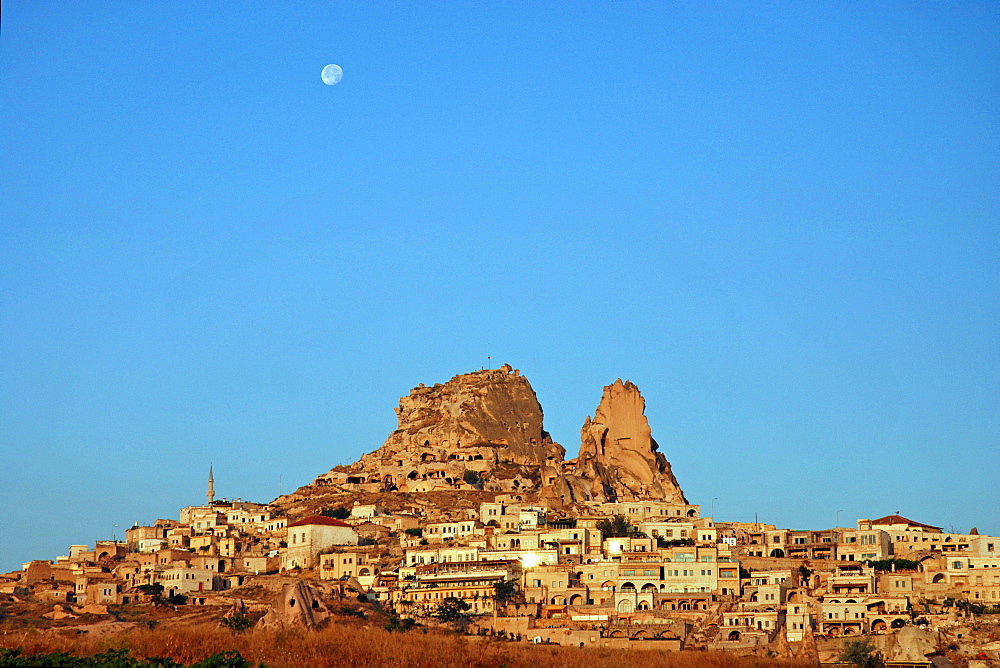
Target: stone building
x=307, y=537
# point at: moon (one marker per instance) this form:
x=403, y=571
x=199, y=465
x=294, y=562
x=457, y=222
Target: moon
x=332, y=74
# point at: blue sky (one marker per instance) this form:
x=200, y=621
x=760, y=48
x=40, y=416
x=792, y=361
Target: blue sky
x=780, y=220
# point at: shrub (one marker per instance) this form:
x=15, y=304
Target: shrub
x=338, y=513
x=238, y=623
x=862, y=653
x=401, y=625
x=351, y=611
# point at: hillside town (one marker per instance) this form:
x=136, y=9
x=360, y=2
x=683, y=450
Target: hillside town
x=506, y=537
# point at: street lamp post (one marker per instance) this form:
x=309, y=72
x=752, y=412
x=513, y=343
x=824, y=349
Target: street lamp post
x=713, y=508
x=838, y=517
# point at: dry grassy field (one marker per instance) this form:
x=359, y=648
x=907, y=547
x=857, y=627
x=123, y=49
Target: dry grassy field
x=358, y=643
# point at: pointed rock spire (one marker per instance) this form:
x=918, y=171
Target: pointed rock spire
x=618, y=444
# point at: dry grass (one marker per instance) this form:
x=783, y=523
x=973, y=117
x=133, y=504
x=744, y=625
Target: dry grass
x=362, y=644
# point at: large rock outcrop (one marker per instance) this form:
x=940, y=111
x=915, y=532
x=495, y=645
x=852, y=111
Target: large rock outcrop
x=486, y=422
x=619, y=459
x=298, y=605
x=483, y=430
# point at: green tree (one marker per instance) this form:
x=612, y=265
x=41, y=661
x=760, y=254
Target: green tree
x=504, y=591
x=617, y=527
x=862, y=653
x=416, y=533
x=470, y=477
x=238, y=623
x=338, y=513
x=451, y=609
x=154, y=591
x=886, y=565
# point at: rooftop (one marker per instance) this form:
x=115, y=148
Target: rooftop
x=320, y=519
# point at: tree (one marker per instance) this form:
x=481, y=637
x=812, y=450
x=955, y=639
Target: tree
x=470, y=477
x=416, y=533
x=805, y=573
x=338, y=513
x=154, y=591
x=886, y=565
x=451, y=609
x=862, y=653
x=504, y=591
x=238, y=623
x=617, y=527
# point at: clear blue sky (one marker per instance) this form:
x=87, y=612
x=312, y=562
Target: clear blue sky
x=780, y=220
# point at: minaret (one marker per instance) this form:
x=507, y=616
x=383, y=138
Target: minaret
x=211, y=486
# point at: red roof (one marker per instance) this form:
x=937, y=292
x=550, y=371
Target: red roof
x=899, y=519
x=320, y=519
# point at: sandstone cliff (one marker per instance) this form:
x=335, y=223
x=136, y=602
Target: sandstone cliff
x=619, y=459
x=487, y=422
x=483, y=430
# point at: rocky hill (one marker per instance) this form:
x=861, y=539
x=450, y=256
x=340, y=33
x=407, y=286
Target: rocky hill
x=483, y=431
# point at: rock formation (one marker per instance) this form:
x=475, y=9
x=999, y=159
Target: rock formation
x=619, y=459
x=487, y=422
x=298, y=605
x=483, y=430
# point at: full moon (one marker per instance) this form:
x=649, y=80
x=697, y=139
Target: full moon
x=332, y=74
